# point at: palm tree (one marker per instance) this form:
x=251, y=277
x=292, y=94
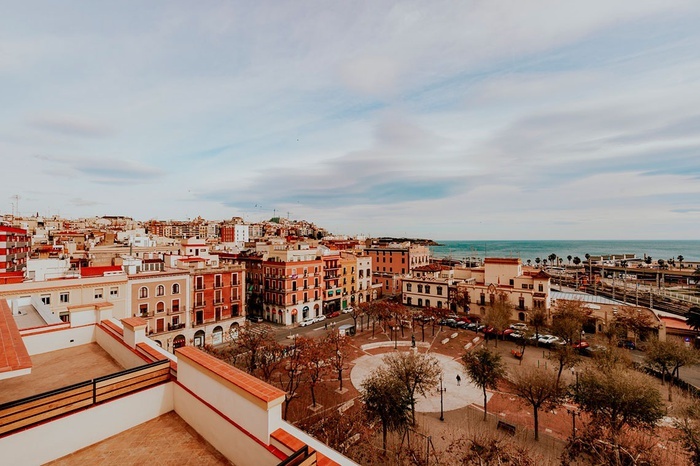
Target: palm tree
x=661, y=263
x=577, y=260
x=537, y=261
x=693, y=318
x=569, y=258
x=680, y=260
x=529, y=262
x=552, y=257
x=647, y=260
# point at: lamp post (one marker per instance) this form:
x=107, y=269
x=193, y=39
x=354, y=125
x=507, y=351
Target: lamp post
x=574, y=412
x=442, y=390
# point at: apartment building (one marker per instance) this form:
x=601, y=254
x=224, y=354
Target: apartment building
x=332, y=290
x=162, y=299
x=524, y=289
x=217, y=300
x=14, y=249
x=392, y=261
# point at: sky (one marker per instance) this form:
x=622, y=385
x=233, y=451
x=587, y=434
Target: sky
x=441, y=119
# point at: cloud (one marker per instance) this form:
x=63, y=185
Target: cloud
x=70, y=126
x=106, y=170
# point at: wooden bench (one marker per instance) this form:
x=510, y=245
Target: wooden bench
x=504, y=426
x=517, y=354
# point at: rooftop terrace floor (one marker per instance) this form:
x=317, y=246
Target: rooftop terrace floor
x=166, y=441
x=58, y=369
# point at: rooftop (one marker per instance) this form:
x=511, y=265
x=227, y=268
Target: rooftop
x=58, y=369
x=166, y=440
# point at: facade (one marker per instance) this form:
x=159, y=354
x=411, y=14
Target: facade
x=435, y=286
x=332, y=291
x=162, y=300
x=293, y=290
x=14, y=249
x=391, y=262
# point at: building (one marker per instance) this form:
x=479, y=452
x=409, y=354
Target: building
x=437, y=286
x=332, y=291
x=111, y=382
x=14, y=249
x=392, y=261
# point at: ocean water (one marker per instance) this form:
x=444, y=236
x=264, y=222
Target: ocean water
x=661, y=249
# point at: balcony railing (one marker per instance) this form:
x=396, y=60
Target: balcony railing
x=200, y=303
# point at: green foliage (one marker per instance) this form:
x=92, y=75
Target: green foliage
x=693, y=318
x=386, y=399
x=484, y=368
x=617, y=397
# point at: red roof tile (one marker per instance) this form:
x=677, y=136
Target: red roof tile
x=13, y=353
x=99, y=271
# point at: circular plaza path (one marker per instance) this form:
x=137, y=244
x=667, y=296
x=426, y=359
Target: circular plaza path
x=454, y=396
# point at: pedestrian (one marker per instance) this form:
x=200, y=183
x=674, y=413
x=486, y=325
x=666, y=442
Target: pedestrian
x=459, y=379
x=326, y=325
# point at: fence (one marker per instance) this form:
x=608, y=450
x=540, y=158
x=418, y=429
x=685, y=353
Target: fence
x=46, y=406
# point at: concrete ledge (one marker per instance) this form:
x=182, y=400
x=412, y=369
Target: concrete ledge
x=454, y=335
x=386, y=344
x=475, y=340
x=467, y=346
x=445, y=340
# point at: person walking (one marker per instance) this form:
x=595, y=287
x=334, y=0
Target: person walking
x=459, y=379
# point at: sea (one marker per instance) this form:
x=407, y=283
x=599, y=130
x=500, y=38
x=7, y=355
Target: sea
x=531, y=249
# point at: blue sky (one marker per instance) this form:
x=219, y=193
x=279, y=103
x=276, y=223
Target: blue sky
x=452, y=120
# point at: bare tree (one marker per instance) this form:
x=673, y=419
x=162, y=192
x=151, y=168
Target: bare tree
x=484, y=368
x=568, y=318
x=538, y=319
x=315, y=357
x=337, y=345
x=635, y=320
x=270, y=357
x=499, y=315
x=292, y=373
x=539, y=387
x=417, y=371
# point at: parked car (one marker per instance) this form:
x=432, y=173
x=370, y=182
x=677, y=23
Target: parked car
x=348, y=310
x=254, y=318
x=592, y=350
x=515, y=335
x=307, y=321
x=548, y=339
x=581, y=345
x=320, y=318
x=472, y=326
x=333, y=314
x=520, y=326
x=627, y=344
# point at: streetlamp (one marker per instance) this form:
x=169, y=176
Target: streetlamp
x=574, y=412
x=442, y=390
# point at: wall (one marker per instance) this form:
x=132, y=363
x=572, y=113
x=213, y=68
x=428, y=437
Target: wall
x=315, y=444
x=65, y=435
x=58, y=339
x=118, y=350
x=231, y=442
x=218, y=393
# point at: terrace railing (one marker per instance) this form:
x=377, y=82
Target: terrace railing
x=43, y=407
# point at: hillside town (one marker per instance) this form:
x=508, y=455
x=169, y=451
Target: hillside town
x=170, y=300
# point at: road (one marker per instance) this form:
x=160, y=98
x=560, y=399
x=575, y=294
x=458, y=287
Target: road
x=690, y=374
x=285, y=335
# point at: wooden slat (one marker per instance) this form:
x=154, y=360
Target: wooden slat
x=42, y=402
x=110, y=381
x=147, y=383
x=138, y=378
x=27, y=421
x=46, y=408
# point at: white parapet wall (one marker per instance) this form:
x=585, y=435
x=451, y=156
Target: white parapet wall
x=60, y=437
x=54, y=340
x=119, y=350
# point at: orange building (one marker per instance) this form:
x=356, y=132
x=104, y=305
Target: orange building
x=14, y=249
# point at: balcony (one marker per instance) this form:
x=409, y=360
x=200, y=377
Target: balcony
x=175, y=310
x=218, y=302
x=199, y=288
x=200, y=303
x=172, y=327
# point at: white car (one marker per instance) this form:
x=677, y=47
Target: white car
x=548, y=339
x=320, y=318
x=518, y=326
x=348, y=310
x=307, y=321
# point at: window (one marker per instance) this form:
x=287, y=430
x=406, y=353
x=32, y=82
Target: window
x=143, y=292
x=408, y=287
x=218, y=283
x=114, y=292
x=64, y=297
x=160, y=290
x=46, y=299
x=439, y=291
x=420, y=302
x=427, y=303
x=427, y=288
x=512, y=282
x=176, y=288
x=525, y=286
x=176, y=305
x=234, y=279
x=420, y=288
x=199, y=283
x=541, y=287
x=439, y=304
x=99, y=292
x=408, y=300
x=143, y=309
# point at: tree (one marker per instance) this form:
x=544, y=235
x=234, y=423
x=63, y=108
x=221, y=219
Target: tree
x=568, y=318
x=648, y=260
x=250, y=343
x=661, y=263
x=680, y=260
x=537, y=261
x=692, y=318
x=484, y=368
x=635, y=320
x=688, y=424
x=337, y=345
x=617, y=397
x=418, y=372
x=529, y=261
x=316, y=355
x=552, y=257
x=566, y=357
x=569, y=258
x=499, y=315
x=387, y=400
x=538, y=319
x=539, y=387
x=461, y=299
x=292, y=374
x=577, y=260
x=270, y=357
